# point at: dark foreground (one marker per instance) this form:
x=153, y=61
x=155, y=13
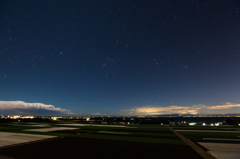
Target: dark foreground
x=76, y=147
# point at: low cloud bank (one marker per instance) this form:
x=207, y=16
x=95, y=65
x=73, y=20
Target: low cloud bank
x=194, y=109
x=23, y=108
x=97, y=114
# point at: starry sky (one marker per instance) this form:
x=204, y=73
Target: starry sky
x=119, y=57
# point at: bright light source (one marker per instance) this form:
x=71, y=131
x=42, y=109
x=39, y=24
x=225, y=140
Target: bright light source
x=192, y=123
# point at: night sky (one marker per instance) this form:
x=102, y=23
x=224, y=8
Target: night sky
x=119, y=57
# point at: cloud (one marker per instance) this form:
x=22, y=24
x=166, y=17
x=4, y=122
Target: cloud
x=23, y=108
x=194, y=109
x=97, y=114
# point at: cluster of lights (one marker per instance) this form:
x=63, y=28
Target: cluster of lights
x=204, y=124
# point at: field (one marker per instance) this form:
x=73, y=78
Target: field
x=107, y=141
x=143, y=133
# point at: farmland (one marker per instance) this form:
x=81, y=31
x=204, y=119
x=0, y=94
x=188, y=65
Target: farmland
x=151, y=140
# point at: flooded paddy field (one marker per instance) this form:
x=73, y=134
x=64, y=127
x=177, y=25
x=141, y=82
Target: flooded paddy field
x=108, y=141
x=219, y=141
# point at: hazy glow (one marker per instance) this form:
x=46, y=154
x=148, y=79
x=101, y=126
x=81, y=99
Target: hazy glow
x=194, y=109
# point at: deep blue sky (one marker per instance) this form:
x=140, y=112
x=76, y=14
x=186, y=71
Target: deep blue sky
x=108, y=56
